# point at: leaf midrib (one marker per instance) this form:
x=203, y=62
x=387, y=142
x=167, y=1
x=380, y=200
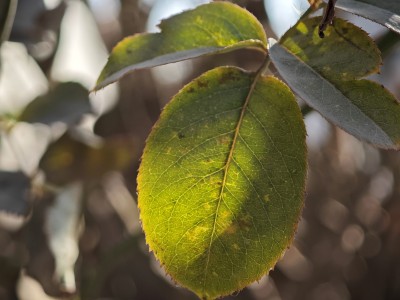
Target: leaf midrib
x=229, y=162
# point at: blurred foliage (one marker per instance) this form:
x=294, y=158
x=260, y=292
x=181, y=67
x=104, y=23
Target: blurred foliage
x=66, y=103
x=14, y=192
x=37, y=28
x=68, y=159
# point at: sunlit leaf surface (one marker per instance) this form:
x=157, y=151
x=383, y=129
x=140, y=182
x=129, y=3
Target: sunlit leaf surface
x=210, y=28
x=326, y=74
x=221, y=181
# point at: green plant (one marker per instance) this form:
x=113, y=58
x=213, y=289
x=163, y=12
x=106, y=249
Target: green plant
x=222, y=178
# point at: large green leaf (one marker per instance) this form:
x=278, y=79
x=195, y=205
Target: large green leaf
x=384, y=12
x=326, y=73
x=66, y=103
x=210, y=28
x=221, y=183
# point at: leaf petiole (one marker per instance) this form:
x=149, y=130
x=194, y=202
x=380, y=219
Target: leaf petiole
x=327, y=18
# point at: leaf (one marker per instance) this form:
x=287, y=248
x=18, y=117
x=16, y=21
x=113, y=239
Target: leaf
x=14, y=193
x=221, y=183
x=70, y=159
x=66, y=103
x=391, y=5
x=326, y=72
x=386, y=13
x=211, y=28
x=7, y=13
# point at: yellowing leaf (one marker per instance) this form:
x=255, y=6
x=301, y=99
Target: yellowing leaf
x=221, y=183
x=347, y=52
x=69, y=159
x=210, y=28
x=15, y=194
x=326, y=74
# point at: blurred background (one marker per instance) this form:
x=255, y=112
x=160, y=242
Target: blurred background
x=69, y=225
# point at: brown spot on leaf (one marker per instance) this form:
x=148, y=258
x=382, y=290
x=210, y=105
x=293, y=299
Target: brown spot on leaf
x=232, y=228
x=202, y=84
x=224, y=140
x=228, y=76
x=245, y=222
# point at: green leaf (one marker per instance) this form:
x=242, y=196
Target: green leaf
x=326, y=72
x=66, y=103
x=384, y=12
x=211, y=28
x=72, y=157
x=7, y=13
x=221, y=183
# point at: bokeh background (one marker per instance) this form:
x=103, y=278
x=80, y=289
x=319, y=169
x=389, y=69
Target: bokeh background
x=69, y=225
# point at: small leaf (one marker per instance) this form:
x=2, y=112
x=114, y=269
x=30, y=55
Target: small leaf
x=211, y=28
x=14, y=193
x=325, y=74
x=384, y=12
x=69, y=159
x=221, y=183
x=67, y=102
